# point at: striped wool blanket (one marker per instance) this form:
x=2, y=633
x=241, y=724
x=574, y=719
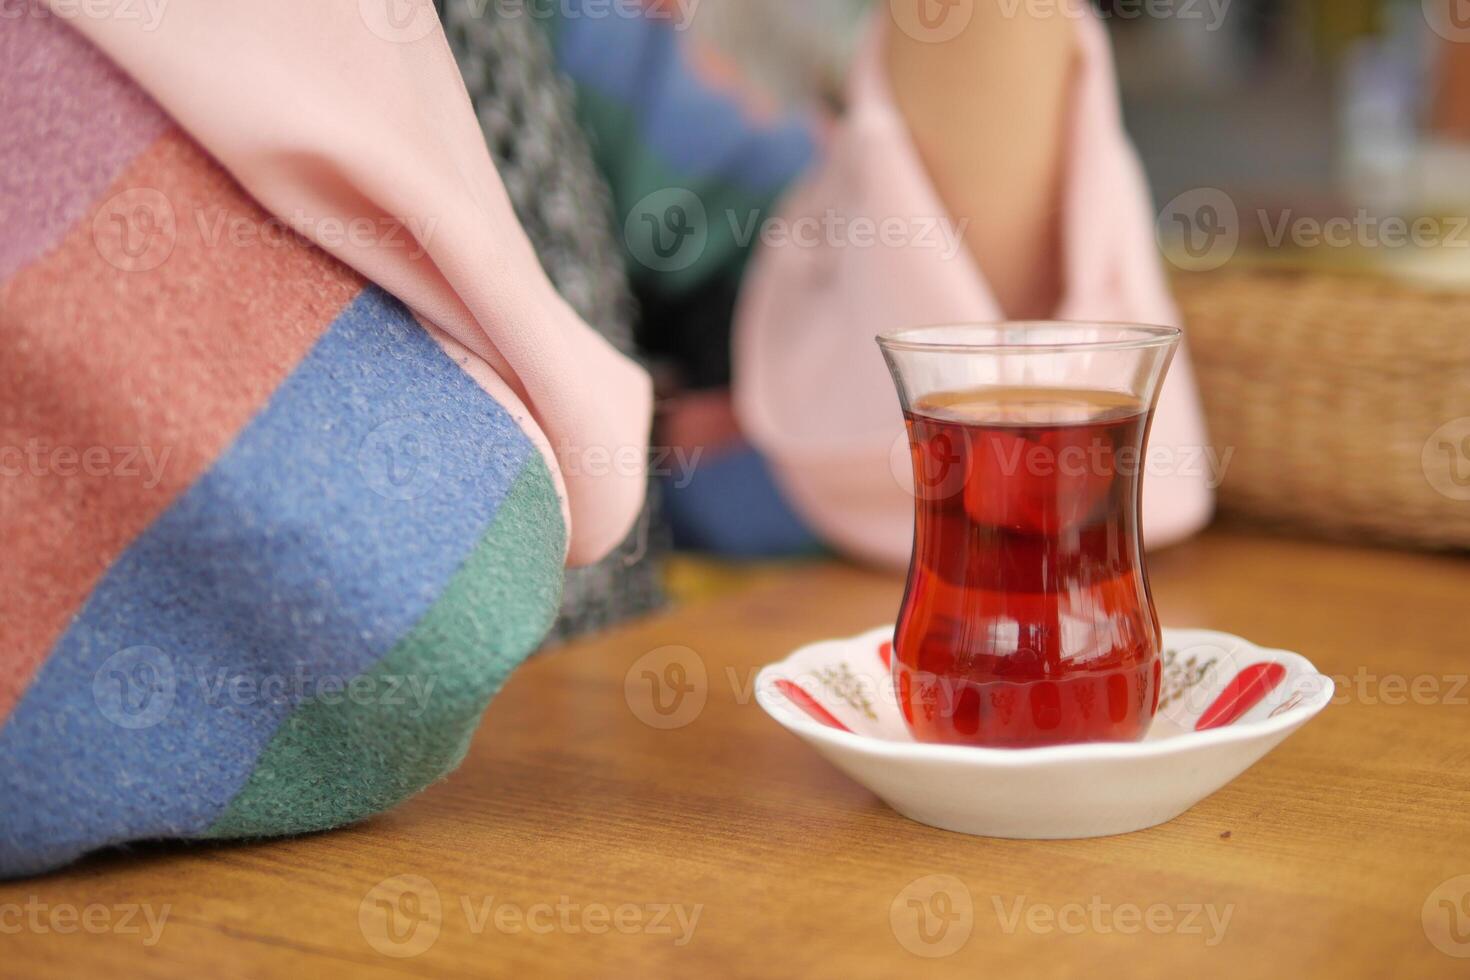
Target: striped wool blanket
x=269, y=548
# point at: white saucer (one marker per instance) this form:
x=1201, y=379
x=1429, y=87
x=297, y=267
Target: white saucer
x=838, y=697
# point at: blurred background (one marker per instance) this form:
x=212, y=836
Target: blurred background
x=1310, y=167
x=1322, y=106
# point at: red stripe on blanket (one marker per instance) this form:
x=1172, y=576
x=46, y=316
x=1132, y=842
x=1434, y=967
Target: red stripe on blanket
x=130, y=356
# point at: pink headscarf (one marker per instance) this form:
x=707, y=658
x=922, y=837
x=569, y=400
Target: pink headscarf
x=812, y=392
x=329, y=112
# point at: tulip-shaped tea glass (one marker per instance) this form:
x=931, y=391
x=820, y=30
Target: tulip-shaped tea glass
x=1027, y=619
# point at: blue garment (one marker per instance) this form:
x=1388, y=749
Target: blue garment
x=730, y=505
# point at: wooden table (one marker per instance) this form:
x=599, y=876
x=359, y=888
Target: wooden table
x=576, y=816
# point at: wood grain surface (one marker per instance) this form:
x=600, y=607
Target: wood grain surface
x=579, y=840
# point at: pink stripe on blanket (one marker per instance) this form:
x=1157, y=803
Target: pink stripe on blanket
x=73, y=122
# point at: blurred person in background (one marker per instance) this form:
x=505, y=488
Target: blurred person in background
x=989, y=139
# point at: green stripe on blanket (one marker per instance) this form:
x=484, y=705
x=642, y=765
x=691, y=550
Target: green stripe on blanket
x=412, y=716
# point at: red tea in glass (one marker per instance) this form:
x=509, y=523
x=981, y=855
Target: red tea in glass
x=1027, y=619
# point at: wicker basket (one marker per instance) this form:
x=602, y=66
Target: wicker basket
x=1339, y=396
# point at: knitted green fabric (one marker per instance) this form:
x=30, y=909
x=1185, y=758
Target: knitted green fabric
x=333, y=763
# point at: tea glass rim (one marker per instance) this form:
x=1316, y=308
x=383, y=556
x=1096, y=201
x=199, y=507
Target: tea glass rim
x=1147, y=336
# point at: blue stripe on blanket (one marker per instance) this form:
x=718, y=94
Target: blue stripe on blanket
x=312, y=546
